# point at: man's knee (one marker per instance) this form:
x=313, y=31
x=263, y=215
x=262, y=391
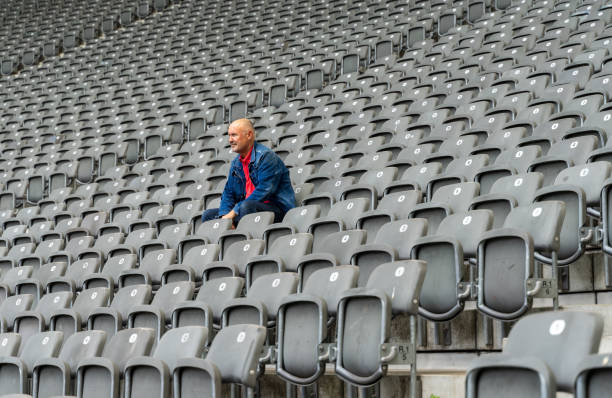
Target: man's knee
x=248, y=207
x=210, y=214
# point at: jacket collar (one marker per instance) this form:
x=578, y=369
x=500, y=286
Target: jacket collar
x=255, y=155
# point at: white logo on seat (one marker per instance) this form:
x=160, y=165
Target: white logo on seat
x=584, y=172
x=134, y=292
x=536, y=212
x=276, y=282
x=457, y=191
x=399, y=271
x=222, y=286
x=160, y=256
x=176, y=290
x=184, y=337
x=45, y=340
x=518, y=154
x=292, y=242
x=18, y=302
x=216, y=225
x=557, y=327
x=246, y=247
x=574, y=144
x=241, y=337
x=350, y=205
x=345, y=239
x=133, y=338
x=56, y=299
x=86, y=340
x=122, y=260
x=518, y=182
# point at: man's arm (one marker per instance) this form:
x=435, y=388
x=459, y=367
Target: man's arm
x=267, y=181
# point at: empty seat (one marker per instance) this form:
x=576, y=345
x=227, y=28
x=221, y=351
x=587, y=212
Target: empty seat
x=101, y=376
x=113, y=318
x=540, y=358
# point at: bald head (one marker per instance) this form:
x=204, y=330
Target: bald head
x=241, y=136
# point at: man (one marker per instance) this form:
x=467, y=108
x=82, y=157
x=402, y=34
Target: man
x=258, y=179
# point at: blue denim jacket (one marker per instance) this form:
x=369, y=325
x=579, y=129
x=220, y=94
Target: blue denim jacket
x=269, y=175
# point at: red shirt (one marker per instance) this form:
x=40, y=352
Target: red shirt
x=249, y=187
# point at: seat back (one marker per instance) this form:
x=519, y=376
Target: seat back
x=235, y=352
x=217, y=292
x=560, y=339
x=290, y=248
x=127, y=344
x=130, y=296
x=183, y=342
x=79, y=346
x=402, y=282
x=330, y=283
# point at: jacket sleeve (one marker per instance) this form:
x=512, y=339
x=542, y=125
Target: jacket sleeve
x=268, y=179
x=228, y=199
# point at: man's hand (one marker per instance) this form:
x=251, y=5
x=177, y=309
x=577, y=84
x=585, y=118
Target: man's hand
x=231, y=216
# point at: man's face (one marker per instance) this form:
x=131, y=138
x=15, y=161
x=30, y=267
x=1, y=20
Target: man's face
x=240, y=139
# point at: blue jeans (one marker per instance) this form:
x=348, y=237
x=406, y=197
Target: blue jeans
x=247, y=207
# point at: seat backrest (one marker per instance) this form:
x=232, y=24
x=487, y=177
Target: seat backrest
x=349, y=210
x=457, y=196
x=522, y=187
x=14, y=305
x=590, y=177
x=290, y=248
x=82, y=345
x=402, y=234
x=542, y=221
x=39, y=346
x=182, y=342
x=116, y=264
x=78, y=270
x=9, y=344
x=171, y=294
x=255, y=223
x=127, y=344
x=217, y=292
x=235, y=352
x=239, y=253
x=130, y=296
x=213, y=229
x=172, y=234
x=342, y=244
x=201, y=255
x=560, y=339
x=89, y=300
x=49, y=270
x=399, y=204
x=51, y=302
x=156, y=261
x=330, y=283
x=467, y=228
x=401, y=281
x=301, y=217
x=270, y=289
